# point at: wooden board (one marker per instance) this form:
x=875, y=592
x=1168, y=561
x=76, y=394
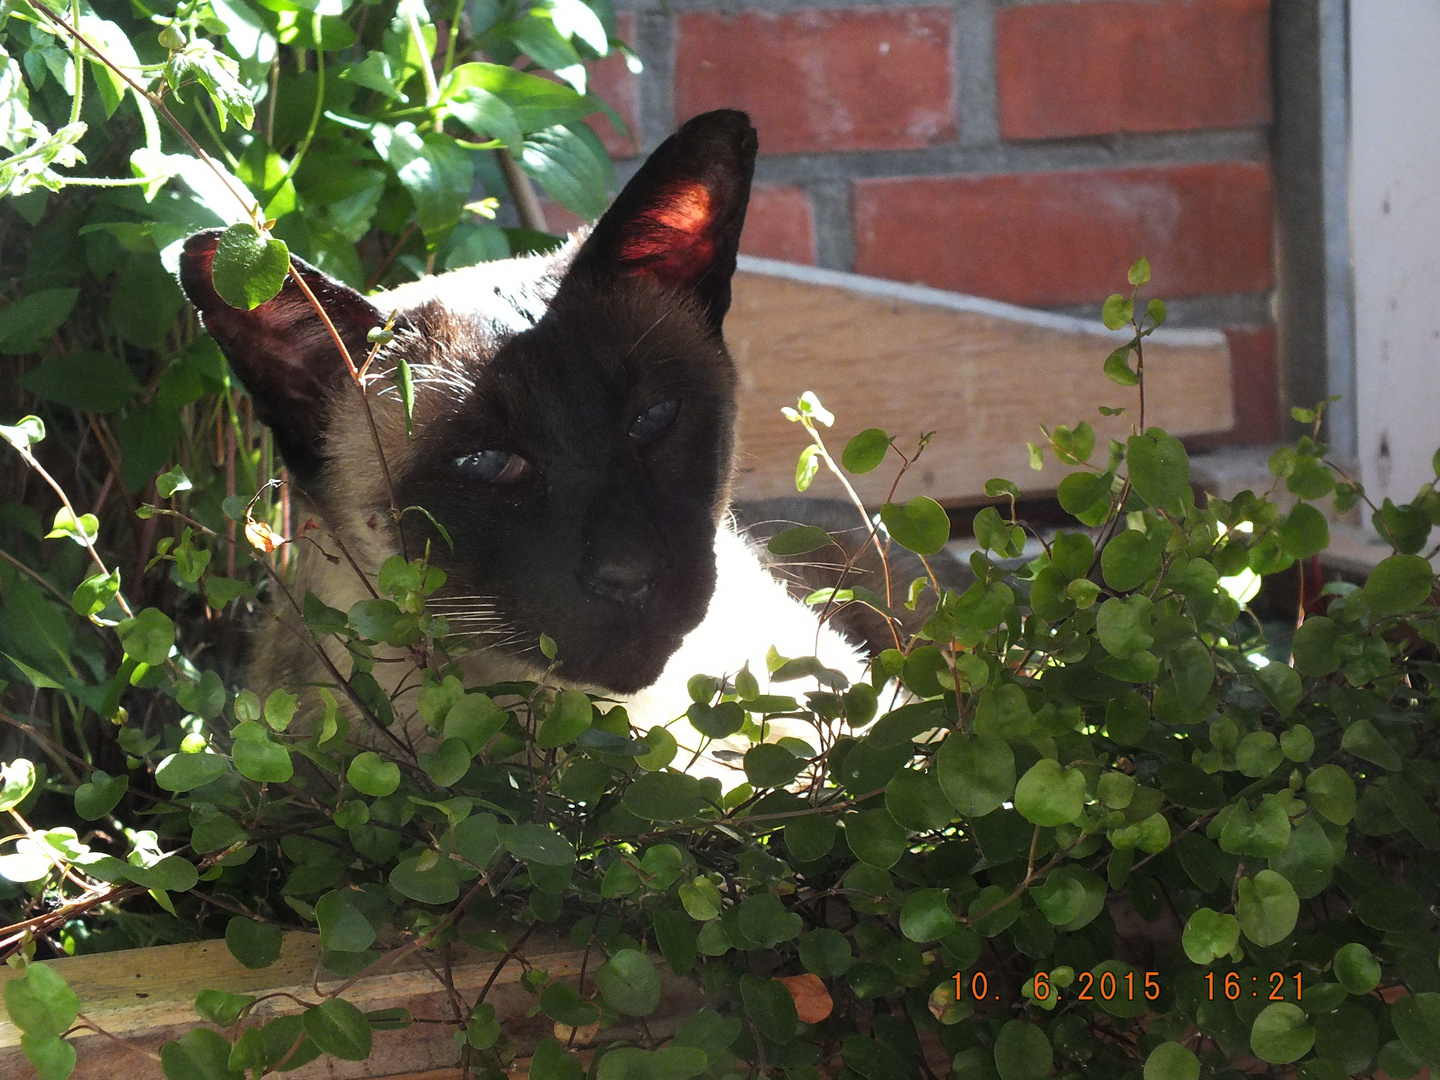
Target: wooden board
x=907, y=359
x=146, y=997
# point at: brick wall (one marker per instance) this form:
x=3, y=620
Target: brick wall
x=1020, y=150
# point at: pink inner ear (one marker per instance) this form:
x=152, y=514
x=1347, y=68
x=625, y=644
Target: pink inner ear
x=672, y=243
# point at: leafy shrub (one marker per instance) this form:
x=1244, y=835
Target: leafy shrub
x=1091, y=820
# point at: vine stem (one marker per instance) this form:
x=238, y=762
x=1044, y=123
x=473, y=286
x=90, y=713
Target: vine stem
x=54, y=486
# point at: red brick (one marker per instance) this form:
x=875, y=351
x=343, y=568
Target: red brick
x=822, y=80
x=779, y=224
x=1053, y=238
x=1132, y=65
x=1255, y=383
x=615, y=84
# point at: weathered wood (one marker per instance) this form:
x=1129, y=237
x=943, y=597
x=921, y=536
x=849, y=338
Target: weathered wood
x=146, y=997
x=982, y=374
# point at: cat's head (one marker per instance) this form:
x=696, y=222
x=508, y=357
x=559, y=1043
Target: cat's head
x=573, y=418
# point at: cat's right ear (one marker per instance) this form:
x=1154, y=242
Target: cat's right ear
x=678, y=220
x=282, y=350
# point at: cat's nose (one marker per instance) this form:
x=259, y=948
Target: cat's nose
x=621, y=579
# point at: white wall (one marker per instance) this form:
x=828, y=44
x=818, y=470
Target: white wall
x=1395, y=239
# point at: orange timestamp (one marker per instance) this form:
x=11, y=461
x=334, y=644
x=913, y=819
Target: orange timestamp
x=1087, y=985
x=1132, y=985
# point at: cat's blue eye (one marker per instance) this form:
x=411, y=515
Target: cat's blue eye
x=494, y=466
x=654, y=421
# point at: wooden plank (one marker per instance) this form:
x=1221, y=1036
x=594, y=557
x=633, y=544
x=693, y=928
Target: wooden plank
x=145, y=997
x=907, y=359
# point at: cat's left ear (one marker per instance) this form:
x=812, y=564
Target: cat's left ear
x=282, y=350
x=679, y=218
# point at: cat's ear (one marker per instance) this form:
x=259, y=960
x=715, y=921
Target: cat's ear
x=678, y=220
x=282, y=350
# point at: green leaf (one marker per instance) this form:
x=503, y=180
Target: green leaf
x=28, y=323
x=1417, y=1022
x=1117, y=311
x=1049, y=794
x=1357, y=968
x=798, y=540
x=631, y=1063
x=920, y=524
x=475, y=719
x=17, y=780
x=339, y=1029
x=1171, y=1061
x=1022, y=1052
x=563, y=162
x=1123, y=624
x=259, y=758
x=763, y=919
x=249, y=268
x=201, y=1054
x=539, y=843
x=434, y=171
x=1267, y=907
x=770, y=1005
x=825, y=953
x=807, y=465
x=52, y=1057
x=1281, y=1033
x=551, y=1061
x=1304, y=533
x=866, y=451
x=172, y=874
x=448, y=763
x=147, y=637
x=1139, y=274
x=1398, y=583
x=976, y=772
x=1208, y=935
x=1258, y=754
x=916, y=802
x=770, y=765
x=926, y=916
x=1159, y=470
x=254, y=944
x=40, y=1002
x=1332, y=792
x=875, y=837
x=221, y=1007
x=570, y=716
x=1281, y=686
x=342, y=926
x=664, y=796
x=535, y=102
x=1118, y=369
x=629, y=983
x=93, y=382
x=1314, y=646
x=95, y=798
x=370, y=774
x=483, y=1030
x=183, y=772
x=562, y=1002
x=427, y=878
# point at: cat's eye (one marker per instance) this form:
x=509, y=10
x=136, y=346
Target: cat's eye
x=494, y=466
x=654, y=421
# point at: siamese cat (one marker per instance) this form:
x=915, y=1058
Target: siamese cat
x=573, y=433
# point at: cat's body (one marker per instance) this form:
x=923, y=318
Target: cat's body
x=573, y=434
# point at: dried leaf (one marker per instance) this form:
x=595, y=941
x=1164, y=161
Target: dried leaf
x=262, y=537
x=812, y=1001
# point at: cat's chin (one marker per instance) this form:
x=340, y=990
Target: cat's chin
x=621, y=664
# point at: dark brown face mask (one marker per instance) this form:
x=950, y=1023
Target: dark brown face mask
x=574, y=416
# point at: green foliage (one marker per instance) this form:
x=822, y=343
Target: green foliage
x=1097, y=738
